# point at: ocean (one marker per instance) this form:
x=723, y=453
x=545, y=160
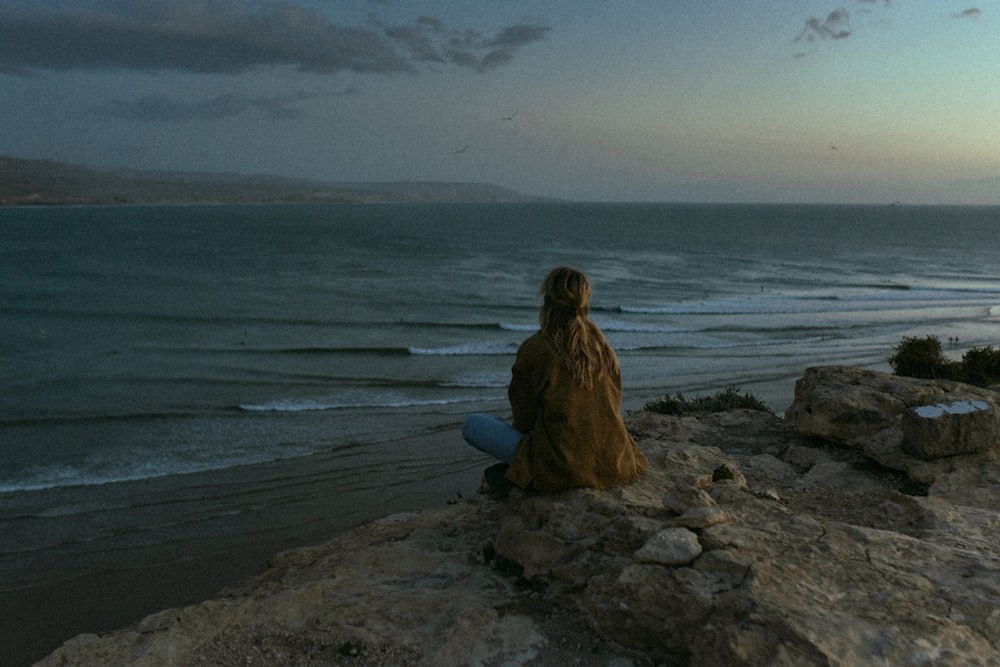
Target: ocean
x=180, y=380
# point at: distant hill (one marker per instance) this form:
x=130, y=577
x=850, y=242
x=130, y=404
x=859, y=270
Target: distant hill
x=45, y=182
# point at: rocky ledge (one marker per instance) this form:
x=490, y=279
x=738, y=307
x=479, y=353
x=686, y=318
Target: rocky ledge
x=835, y=536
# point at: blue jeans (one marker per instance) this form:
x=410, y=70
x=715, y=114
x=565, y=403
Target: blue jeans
x=492, y=435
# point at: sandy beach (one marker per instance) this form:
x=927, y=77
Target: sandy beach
x=95, y=588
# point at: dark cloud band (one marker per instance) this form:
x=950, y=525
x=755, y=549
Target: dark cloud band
x=212, y=36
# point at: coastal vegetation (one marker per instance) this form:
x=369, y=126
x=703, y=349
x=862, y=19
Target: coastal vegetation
x=729, y=398
x=923, y=358
x=914, y=357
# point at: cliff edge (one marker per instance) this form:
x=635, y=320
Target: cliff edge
x=825, y=538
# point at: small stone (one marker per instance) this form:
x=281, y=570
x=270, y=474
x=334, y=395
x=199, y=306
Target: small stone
x=671, y=546
x=702, y=517
x=769, y=493
x=681, y=498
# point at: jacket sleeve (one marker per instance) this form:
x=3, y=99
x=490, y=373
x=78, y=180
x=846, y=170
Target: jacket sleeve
x=523, y=395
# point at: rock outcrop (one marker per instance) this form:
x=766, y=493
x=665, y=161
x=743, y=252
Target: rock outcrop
x=953, y=427
x=848, y=405
x=751, y=540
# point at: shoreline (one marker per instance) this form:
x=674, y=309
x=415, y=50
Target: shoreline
x=747, y=538
x=113, y=582
x=117, y=584
x=116, y=594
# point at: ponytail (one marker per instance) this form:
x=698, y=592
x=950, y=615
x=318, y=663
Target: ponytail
x=566, y=325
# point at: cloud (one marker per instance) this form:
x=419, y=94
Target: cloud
x=967, y=13
x=227, y=37
x=156, y=108
x=518, y=35
x=428, y=39
x=837, y=25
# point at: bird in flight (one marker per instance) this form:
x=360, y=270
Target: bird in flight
x=511, y=117
x=462, y=149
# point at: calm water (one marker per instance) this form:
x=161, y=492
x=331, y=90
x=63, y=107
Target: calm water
x=172, y=375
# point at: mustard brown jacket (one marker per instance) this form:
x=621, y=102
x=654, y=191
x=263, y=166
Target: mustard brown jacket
x=574, y=436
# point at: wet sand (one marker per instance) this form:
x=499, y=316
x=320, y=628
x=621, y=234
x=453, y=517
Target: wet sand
x=180, y=541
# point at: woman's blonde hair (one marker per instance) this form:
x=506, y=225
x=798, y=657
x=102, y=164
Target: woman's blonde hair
x=567, y=327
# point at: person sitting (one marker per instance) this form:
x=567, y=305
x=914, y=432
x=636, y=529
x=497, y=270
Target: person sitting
x=565, y=395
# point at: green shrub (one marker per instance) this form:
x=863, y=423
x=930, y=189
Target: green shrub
x=922, y=358
x=918, y=358
x=981, y=366
x=727, y=399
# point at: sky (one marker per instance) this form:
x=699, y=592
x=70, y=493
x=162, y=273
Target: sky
x=827, y=101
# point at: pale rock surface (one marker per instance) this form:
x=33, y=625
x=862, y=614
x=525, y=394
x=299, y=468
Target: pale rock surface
x=949, y=428
x=814, y=555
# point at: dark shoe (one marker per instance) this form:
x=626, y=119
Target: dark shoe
x=494, y=483
x=495, y=475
